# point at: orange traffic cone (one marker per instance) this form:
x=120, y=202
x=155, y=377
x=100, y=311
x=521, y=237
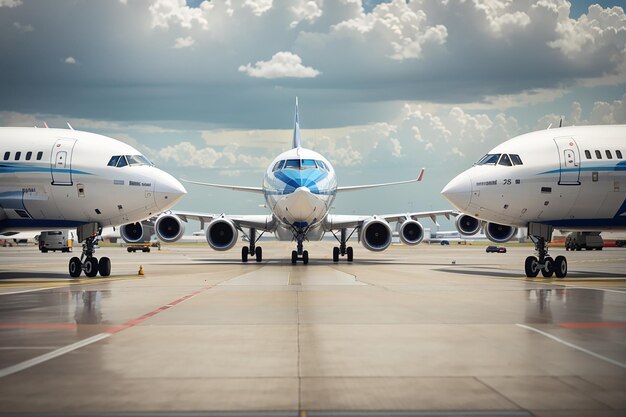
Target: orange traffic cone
x=140, y=270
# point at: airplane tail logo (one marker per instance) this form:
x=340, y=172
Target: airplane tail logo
x=296, y=129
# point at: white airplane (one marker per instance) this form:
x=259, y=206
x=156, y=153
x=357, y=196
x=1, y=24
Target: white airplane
x=299, y=187
x=571, y=178
x=54, y=179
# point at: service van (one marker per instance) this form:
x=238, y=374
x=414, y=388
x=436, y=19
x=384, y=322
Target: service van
x=55, y=240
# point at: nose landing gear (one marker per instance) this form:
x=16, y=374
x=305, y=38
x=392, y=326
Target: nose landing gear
x=87, y=261
x=540, y=234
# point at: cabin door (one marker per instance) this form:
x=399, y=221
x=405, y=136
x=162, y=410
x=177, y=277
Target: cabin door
x=569, y=159
x=61, y=162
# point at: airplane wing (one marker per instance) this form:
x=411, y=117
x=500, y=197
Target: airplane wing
x=260, y=222
x=364, y=187
x=341, y=221
x=257, y=190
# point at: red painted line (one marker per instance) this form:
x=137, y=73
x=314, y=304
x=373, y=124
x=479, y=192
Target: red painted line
x=153, y=313
x=598, y=325
x=43, y=326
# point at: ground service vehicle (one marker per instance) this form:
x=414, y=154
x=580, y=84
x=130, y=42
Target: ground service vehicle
x=55, y=240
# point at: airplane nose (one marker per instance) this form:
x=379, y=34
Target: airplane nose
x=167, y=191
x=459, y=191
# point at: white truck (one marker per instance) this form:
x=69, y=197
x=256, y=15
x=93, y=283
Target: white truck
x=56, y=240
x=584, y=240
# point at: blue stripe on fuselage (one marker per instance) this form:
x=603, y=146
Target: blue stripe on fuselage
x=620, y=166
x=9, y=168
x=294, y=179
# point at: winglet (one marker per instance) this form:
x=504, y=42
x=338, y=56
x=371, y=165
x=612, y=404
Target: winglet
x=45, y=124
x=296, y=129
x=421, y=175
x=69, y=125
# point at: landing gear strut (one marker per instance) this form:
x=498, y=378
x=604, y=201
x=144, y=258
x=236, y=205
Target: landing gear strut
x=89, y=233
x=343, y=250
x=541, y=234
x=252, y=249
x=300, y=253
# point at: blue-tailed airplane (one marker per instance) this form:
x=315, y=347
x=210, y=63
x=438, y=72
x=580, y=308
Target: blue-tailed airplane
x=299, y=187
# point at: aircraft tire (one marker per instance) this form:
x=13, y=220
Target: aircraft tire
x=335, y=254
x=244, y=254
x=91, y=267
x=350, y=253
x=531, y=267
x=548, y=270
x=560, y=267
x=258, y=252
x=305, y=257
x=75, y=267
x=294, y=257
x=104, y=266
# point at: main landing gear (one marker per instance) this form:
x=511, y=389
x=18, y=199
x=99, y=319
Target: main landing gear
x=342, y=249
x=252, y=249
x=540, y=234
x=87, y=261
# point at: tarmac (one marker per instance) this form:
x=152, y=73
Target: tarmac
x=427, y=330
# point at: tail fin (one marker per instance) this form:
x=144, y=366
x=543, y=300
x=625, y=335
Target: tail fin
x=296, y=129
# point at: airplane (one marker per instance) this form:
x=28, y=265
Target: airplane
x=569, y=178
x=299, y=187
x=54, y=179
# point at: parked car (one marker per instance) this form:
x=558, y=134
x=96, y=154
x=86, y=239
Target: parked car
x=444, y=242
x=495, y=249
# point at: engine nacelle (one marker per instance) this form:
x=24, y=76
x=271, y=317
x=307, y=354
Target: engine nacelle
x=375, y=234
x=411, y=232
x=499, y=233
x=221, y=234
x=467, y=225
x=169, y=228
x=136, y=232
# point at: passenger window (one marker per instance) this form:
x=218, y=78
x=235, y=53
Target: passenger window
x=7, y=155
x=39, y=155
x=18, y=155
x=598, y=155
x=504, y=160
x=113, y=161
x=618, y=154
x=516, y=159
x=587, y=154
x=121, y=162
x=28, y=155
x=608, y=154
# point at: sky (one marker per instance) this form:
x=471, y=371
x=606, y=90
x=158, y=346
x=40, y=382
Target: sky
x=206, y=89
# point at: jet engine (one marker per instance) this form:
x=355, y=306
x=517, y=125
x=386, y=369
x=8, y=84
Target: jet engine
x=499, y=233
x=375, y=234
x=136, y=232
x=411, y=232
x=467, y=225
x=221, y=234
x=169, y=228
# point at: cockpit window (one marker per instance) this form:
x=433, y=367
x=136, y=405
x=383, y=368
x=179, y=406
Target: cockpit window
x=505, y=160
x=489, y=159
x=307, y=163
x=123, y=160
x=516, y=159
x=322, y=165
x=292, y=164
x=278, y=166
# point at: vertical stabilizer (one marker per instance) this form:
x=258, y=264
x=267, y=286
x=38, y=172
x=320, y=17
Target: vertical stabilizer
x=296, y=129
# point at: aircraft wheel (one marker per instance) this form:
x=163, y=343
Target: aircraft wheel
x=104, y=266
x=560, y=267
x=335, y=254
x=350, y=253
x=294, y=257
x=531, y=266
x=548, y=269
x=75, y=267
x=244, y=254
x=305, y=257
x=91, y=267
x=259, y=254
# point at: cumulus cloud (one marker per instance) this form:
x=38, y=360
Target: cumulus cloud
x=23, y=28
x=185, y=42
x=305, y=10
x=167, y=12
x=70, y=60
x=258, y=7
x=602, y=113
x=10, y=3
x=282, y=65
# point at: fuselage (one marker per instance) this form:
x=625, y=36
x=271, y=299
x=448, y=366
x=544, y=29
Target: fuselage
x=57, y=178
x=299, y=187
x=572, y=178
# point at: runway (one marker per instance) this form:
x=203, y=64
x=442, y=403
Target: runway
x=424, y=330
